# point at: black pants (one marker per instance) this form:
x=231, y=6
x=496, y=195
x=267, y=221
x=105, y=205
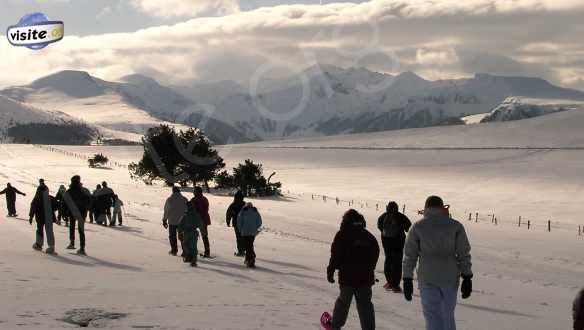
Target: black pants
x=11, y=205
x=394, y=254
x=172, y=233
x=81, y=229
x=205, y=237
x=249, y=248
x=364, y=307
x=239, y=241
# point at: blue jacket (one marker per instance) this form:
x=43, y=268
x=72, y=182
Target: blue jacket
x=249, y=221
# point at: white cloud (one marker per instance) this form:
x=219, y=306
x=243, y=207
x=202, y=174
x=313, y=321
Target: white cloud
x=186, y=8
x=436, y=38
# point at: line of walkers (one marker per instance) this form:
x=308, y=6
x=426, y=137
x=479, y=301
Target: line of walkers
x=71, y=206
x=185, y=219
x=437, y=246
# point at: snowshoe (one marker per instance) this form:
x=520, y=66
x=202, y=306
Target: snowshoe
x=326, y=321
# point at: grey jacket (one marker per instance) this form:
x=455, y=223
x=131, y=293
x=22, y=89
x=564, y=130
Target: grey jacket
x=442, y=248
x=175, y=208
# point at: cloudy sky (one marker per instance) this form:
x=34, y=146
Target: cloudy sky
x=182, y=41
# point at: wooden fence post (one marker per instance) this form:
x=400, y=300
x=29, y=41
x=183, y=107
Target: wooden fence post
x=579, y=230
x=470, y=216
x=528, y=224
x=404, y=209
x=549, y=225
x=477, y=217
x=519, y=221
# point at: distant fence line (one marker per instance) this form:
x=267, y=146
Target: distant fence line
x=473, y=217
x=76, y=155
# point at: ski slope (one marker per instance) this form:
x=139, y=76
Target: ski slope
x=523, y=279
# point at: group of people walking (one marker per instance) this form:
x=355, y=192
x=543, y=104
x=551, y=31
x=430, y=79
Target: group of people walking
x=69, y=205
x=437, y=246
x=187, y=219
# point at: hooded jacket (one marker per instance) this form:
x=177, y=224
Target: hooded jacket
x=190, y=221
x=441, y=247
x=249, y=221
x=234, y=209
x=78, y=200
x=354, y=253
x=43, y=206
x=175, y=208
x=578, y=310
x=397, y=223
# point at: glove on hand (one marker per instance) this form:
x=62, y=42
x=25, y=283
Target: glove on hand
x=466, y=287
x=330, y=275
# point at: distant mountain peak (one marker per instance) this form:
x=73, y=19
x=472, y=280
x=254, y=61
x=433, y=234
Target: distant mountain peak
x=139, y=79
x=73, y=83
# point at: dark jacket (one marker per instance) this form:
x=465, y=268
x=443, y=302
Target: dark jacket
x=11, y=193
x=398, y=225
x=80, y=198
x=39, y=210
x=234, y=209
x=201, y=204
x=578, y=310
x=354, y=253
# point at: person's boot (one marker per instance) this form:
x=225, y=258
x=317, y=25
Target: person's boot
x=172, y=253
x=81, y=252
x=37, y=247
x=71, y=246
x=194, y=262
x=187, y=259
x=50, y=250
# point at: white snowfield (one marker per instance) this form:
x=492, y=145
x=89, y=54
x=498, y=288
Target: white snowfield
x=524, y=279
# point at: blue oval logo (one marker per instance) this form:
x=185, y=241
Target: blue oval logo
x=35, y=31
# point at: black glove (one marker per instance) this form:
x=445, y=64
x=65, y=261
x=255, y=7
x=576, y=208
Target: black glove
x=30, y=220
x=466, y=287
x=330, y=275
x=165, y=225
x=408, y=288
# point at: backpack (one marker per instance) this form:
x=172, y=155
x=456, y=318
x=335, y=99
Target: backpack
x=392, y=226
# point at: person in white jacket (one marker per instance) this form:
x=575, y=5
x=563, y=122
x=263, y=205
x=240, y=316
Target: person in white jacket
x=439, y=246
x=174, y=210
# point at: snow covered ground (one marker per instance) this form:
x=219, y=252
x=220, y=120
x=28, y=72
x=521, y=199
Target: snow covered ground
x=524, y=279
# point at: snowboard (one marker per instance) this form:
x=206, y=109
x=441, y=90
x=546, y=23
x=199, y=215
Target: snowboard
x=325, y=321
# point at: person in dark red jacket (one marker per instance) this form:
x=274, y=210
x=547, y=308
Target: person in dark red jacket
x=579, y=311
x=354, y=253
x=201, y=204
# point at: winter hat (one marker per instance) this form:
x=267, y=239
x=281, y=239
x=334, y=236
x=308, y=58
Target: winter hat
x=354, y=219
x=76, y=180
x=434, y=202
x=392, y=207
x=238, y=196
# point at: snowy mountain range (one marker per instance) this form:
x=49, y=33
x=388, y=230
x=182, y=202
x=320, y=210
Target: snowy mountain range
x=322, y=100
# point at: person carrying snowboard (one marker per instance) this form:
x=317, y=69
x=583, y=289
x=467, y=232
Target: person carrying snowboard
x=578, y=311
x=354, y=253
x=174, y=210
x=117, y=215
x=78, y=201
x=190, y=223
x=10, y=193
x=201, y=204
x=42, y=210
x=231, y=219
x=249, y=222
x=441, y=246
x=393, y=226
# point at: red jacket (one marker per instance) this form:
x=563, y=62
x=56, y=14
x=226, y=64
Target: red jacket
x=201, y=204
